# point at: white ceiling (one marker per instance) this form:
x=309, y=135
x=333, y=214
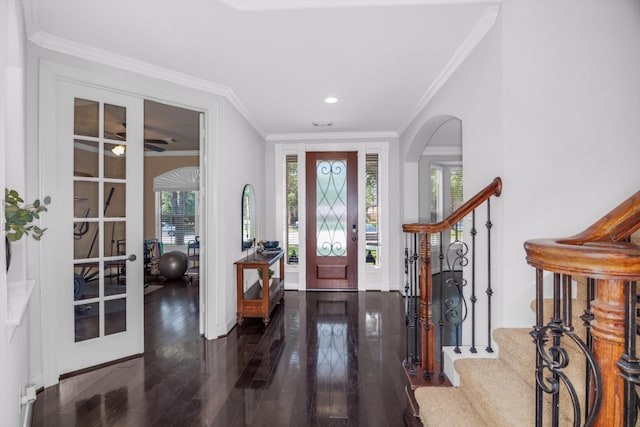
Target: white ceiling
x=277, y=60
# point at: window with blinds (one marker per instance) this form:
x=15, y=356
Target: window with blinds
x=456, y=200
x=372, y=250
x=436, y=201
x=177, y=214
x=292, y=243
x=446, y=196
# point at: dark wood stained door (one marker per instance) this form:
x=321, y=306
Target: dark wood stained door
x=332, y=220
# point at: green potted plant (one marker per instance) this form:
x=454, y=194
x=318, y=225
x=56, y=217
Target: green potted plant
x=260, y=275
x=19, y=219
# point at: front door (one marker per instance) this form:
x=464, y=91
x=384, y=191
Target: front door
x=332, y=220
x=99, y=211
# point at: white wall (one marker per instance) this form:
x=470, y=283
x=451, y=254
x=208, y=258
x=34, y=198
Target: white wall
x=549, y=101
x=473, y=95
x=241, y=153
x=14, y=343
x=571, y=96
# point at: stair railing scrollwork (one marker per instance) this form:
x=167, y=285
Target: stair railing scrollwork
x=610, y=262
x=424, y=352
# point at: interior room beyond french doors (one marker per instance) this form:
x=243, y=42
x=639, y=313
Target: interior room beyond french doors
x=99, y=178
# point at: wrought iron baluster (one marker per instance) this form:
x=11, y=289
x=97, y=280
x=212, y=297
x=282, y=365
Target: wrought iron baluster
x=442, y=312
x=414, y=273
x=536, y=333
x=473, y=282
x=587, y=317
x=489, y=289
x=555, y=406
x=629, y=364
x=407, y=305
x=426, y=305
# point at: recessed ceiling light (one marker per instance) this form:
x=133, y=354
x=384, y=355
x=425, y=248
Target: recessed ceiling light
x=331, y=100
x=322, y=124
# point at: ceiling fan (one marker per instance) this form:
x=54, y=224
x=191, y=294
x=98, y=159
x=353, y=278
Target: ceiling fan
x=148, y=142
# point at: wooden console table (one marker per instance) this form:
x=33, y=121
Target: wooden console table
x=254, y=302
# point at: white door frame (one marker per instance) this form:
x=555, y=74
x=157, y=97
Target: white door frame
x=369, y=277
x=50, y=73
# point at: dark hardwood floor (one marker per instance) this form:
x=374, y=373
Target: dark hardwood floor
x=326, y=359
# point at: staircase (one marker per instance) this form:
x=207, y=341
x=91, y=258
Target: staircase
x=492, y=392
x=579, y=363
x=496, y=392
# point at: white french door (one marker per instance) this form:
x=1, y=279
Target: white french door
x=98, y=212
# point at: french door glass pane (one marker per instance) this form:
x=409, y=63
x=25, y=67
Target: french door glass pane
x=114, y=238
x=85, y=158
x=86, y=121
x=331, y=207
x=99, y=228
x=83, y=290
x=115, y=122
x=115, y=319
x=85, y=243
x=115, y=165
x=87, y=321
x=85, y=197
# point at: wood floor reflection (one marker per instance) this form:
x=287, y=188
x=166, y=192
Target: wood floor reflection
x=326, y=359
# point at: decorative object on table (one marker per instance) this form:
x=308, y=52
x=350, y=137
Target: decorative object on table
x=271, y=247
x=19, y=218
x=270, y=244
x=173, y=264
x=260, y=275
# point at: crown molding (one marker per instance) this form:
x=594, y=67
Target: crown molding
x=58, y=44
x=443, y=150
x=255, y=5
x=330, y=136
x=477, y=33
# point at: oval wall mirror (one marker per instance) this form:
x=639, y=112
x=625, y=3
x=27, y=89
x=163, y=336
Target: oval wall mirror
x=248, y=217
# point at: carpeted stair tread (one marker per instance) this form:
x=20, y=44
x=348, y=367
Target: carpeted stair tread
x=516, y=349
x=499, y=394
x=446, y=406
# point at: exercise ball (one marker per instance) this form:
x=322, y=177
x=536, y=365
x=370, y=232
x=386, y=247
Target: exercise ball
x=173, y=264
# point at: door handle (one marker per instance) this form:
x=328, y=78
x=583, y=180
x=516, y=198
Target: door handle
x=132, y=257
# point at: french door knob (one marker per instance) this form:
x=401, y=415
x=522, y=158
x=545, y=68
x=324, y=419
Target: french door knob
x=131, y=257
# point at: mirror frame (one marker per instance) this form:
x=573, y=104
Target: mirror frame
x=248, y=209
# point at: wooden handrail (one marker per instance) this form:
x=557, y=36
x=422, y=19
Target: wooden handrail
x=598, y=251
x=601, y=252
x=425, y=341
x=493, y=189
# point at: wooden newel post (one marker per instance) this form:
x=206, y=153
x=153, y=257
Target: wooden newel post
x=607, y=329
x=426, y=305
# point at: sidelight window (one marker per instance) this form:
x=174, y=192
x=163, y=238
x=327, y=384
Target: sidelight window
x=292, y=242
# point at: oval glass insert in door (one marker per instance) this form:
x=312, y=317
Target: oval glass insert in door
x=100, y=226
